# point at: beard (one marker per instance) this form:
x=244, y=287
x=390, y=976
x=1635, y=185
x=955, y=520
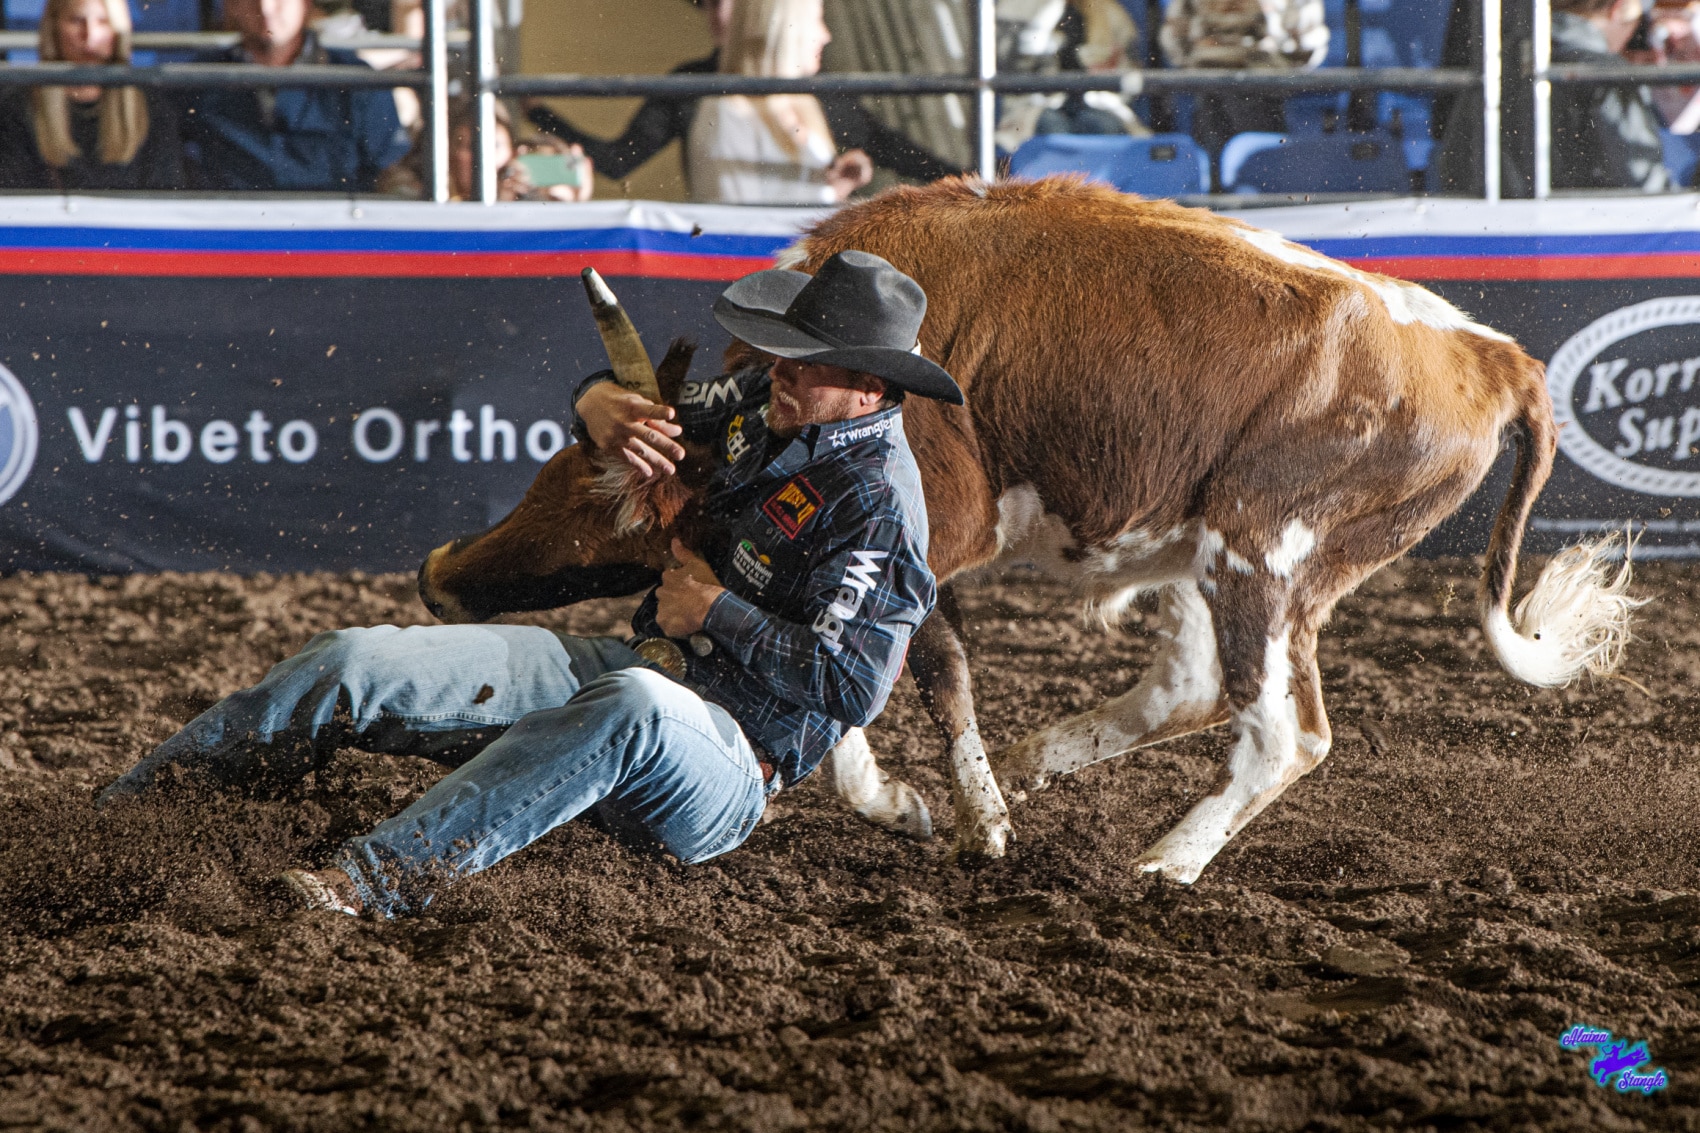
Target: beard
x=786, y=416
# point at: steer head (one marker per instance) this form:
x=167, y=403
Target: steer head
x=589, y=526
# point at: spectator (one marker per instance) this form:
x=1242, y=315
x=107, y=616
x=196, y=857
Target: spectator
x=289, y=138
x=772, y=149
x=514, y=182
x=1602, y=137
x=660, y=120
x=1039, y=37
x=1673, y=37
x=79, y=138
x=1242, y=35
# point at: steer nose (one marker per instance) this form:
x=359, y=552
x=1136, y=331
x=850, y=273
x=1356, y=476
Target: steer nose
x=446, y=606
x=431, y=603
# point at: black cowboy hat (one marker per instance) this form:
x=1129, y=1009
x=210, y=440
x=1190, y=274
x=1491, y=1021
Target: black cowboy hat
x=857, y=311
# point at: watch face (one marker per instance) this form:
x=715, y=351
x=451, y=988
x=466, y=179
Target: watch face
x=664, y=654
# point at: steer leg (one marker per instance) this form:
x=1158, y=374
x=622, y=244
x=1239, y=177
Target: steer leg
x=1180, y=692
x=940, y=666
x=1272, y=684
x=888, y=803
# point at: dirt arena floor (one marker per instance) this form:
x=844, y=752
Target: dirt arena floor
x=1398, y=943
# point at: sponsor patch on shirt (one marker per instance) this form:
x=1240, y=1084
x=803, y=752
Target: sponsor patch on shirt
x=793, y=506
x=736, y=443
x=859, y=577
x=711, y=393
x=752, y=564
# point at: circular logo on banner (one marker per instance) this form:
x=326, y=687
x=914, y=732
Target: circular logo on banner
x=18, y=435
x=1626, y=396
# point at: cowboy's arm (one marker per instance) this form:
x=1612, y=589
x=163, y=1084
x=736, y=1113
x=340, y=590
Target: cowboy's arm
x=866, y=598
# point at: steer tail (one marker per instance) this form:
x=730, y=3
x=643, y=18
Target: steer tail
x=1577, y=616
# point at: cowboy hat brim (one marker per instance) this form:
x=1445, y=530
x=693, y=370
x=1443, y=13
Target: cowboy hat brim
x=753, y=309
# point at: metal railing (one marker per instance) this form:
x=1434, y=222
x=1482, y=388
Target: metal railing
x=985, y=84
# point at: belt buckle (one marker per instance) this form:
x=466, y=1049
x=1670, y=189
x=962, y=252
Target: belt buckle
x=664, y=653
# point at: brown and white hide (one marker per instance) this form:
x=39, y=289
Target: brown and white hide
x=1161, y=398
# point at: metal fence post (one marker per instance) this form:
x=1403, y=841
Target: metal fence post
x=436, y=125
x=1543, y=99
x=986, y=99
x=1490, y=99
x=483, y=101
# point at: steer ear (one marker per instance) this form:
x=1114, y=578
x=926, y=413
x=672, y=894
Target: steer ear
x=670, y=375
x=639, y=504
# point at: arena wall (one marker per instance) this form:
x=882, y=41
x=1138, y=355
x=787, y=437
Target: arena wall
x=291, y=385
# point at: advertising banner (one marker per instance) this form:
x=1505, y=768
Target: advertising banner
x=278, y=386
x=305, y=385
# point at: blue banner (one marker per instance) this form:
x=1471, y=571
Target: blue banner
x=312, y=385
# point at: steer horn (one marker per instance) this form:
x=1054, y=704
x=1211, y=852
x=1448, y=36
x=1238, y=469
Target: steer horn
x=626, y=354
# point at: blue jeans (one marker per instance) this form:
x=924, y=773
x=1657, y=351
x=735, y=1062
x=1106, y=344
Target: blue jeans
x=538, y=728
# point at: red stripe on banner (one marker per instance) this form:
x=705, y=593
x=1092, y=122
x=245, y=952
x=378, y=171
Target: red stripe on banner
x=668, y=265
x=1650, y=265
x=442, y=265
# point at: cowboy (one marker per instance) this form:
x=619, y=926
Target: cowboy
x=751, y=658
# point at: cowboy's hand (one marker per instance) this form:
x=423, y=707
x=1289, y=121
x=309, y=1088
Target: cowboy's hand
x=640, y=430
x=686, y=593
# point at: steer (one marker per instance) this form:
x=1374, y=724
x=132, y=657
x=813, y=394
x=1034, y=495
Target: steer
x=1158, y=398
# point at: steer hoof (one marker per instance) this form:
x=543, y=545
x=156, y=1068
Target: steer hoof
x=978, y=847
x=1169, y=871
x=901, y=810
x=1174, y=862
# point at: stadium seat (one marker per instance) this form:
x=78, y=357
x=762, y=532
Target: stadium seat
x=1241, y=146
x=1163, y=165
x=1334, y=163
x=1682, y=154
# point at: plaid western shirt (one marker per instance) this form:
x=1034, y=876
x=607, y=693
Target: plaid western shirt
x=821, y=544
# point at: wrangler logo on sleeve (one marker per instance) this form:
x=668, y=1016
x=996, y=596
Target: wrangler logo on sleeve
x=793, y=506
x=860, y=577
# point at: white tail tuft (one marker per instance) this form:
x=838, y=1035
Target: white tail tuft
x=794, y=256
x=1576, y=618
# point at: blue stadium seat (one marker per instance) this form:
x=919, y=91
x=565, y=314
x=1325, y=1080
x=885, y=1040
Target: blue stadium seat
x=1241, y=146
x=1395, y=33
x=1335, y=163
x=1682, y=154
x=1414, y=30
x=1163, y=165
